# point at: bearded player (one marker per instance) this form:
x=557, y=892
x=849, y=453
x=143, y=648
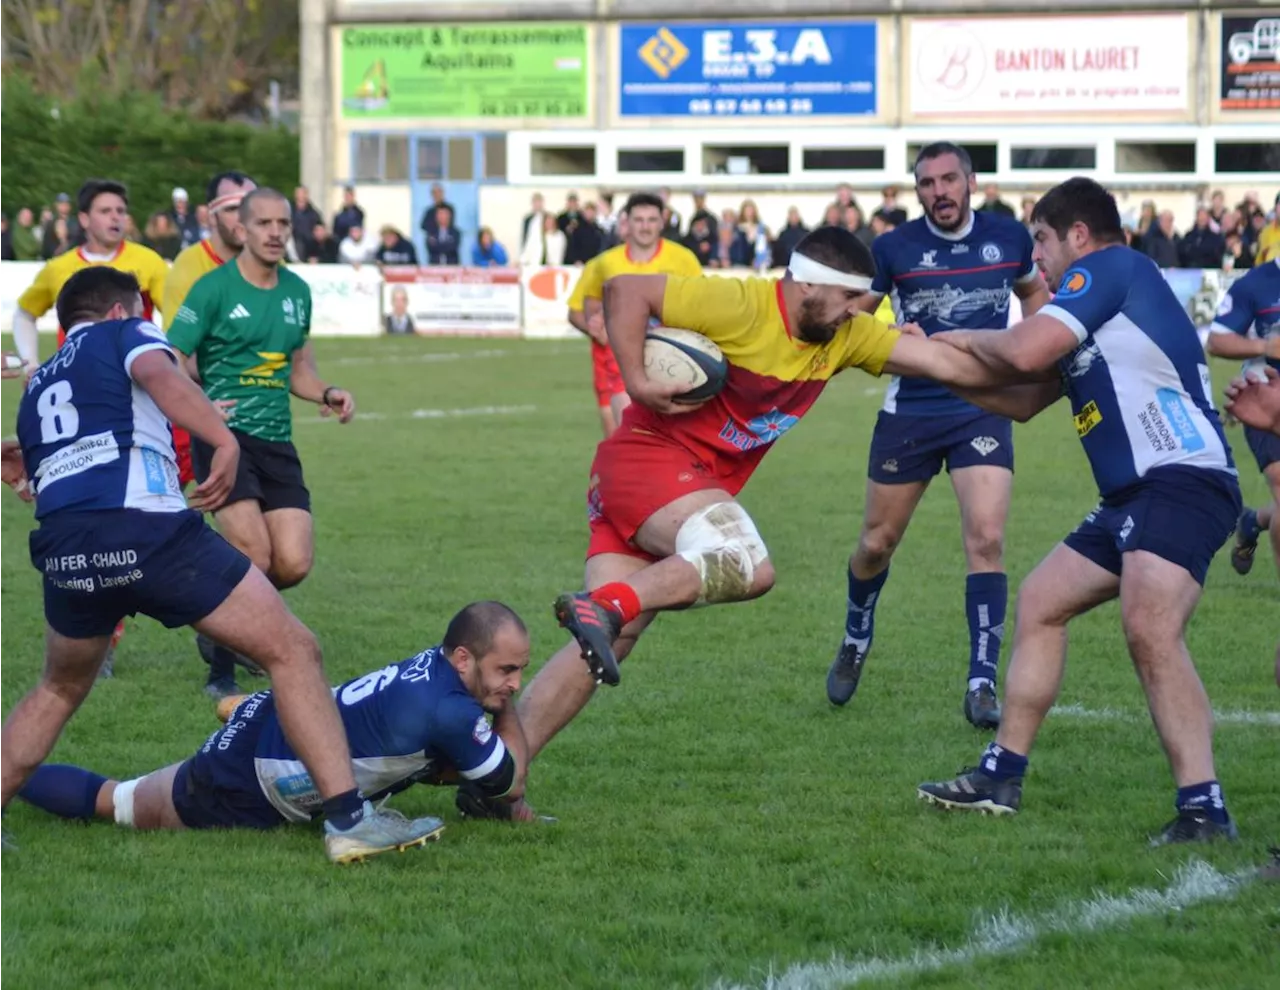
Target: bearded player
x=248, y=325
x=952, y=268
x=666, y=529
x=644, y=251
x=104, y=208
x=225, y=192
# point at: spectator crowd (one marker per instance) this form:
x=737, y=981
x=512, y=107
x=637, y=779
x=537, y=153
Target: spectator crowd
x=1221, y=237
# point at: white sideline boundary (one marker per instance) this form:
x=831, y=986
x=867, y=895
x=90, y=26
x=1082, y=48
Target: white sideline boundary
x=425, y=414
x=1003, y=932
x=1114, y=715
x=438, y=357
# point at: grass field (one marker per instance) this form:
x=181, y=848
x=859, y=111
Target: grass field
x=719, y=823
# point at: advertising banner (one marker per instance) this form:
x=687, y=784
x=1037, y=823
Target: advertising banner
x=475, y=302
x=345, y=301
x=996, y=66
x=736, y=69
x=546, y=300
x=464, y=70
x=1250, y=63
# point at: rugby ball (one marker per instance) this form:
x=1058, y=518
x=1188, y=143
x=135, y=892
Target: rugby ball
x=687, y=359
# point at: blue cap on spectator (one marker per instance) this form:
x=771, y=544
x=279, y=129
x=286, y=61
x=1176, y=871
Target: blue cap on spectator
x=63, y=198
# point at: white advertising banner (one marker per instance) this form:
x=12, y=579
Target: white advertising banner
x=546, y=300
x=15, y=276
x=477, y=302
x=1049, y=65
x=345, y=301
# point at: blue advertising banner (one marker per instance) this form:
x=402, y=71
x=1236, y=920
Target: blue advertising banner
x=735, y=69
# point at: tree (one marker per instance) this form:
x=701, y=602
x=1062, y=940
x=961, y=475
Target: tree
x=211, y=58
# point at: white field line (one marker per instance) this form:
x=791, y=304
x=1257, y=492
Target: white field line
x=362, y=417
x=437, y=357
x=1003, y=932
x=1113, y=715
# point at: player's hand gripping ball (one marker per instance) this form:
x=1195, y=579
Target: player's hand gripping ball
x=685, y=359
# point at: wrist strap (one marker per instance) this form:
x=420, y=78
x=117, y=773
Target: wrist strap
x=324, y=398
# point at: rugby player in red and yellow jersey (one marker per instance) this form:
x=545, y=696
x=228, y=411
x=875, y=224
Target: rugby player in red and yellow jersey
x=666, y=530
x=225, y=191
x=644, y=251
x=104, y=207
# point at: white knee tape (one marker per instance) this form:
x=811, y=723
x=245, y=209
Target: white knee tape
x=122, y=799
x=724, y=545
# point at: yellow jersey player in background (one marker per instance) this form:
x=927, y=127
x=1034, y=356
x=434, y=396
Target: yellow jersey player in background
x=104, y=208
x=226, y=238
x=644, y=251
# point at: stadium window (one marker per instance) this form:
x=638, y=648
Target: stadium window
x=843, y=159
x=1069, y=158
x=368, y=158
x=1246, y=156
x=1172, y=156
x=462, y=162
x=395, y=158
x=650, y=160
x=430, y=159
x=548, y=159
x=771, y=159
x=983, y=155
x=495, y=156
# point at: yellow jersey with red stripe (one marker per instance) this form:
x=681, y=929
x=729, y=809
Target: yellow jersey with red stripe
x=774, y=377
x=141, y=262
x=189, y=267
x=669, y=259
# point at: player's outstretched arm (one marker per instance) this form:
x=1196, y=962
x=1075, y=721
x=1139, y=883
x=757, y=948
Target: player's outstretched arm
x=507, y=725
x=305, y=382
x=925, y=357
x=1256, y=403
x=1017, y=402
x=181, y=400
x=1228, y=344
x=1031, y=346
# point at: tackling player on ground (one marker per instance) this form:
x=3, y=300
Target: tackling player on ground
x=952, y=268
x=116, y=537
x=644, y=251
x=666, y=529
x=410, y=722
x=104, y=208
x=1254, y=302
x=225, y=192
x=247, y=324
x=1127, y=355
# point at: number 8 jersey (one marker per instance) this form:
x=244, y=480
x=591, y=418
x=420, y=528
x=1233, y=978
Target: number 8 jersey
x=91, y=438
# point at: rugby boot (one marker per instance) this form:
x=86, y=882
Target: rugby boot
x=209, y=654
x=595, y=628
x=1247, y=531
x=1193, y=825
x=846, y=670
x=974, y=790
x=379, y=832
x=981, y=708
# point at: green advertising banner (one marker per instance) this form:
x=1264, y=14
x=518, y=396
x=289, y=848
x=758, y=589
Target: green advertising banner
x=464, y=70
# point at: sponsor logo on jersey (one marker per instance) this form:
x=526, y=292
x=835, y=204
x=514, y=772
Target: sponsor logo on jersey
x=984, y=445
x=1083, y=358
x=483, y=731
x=1179, y=418
x=960, y=249
x=1074, y=284
x=991, y=253
x=928, y=260
x=1087, y=418
x=238, y=312
x=264, y=374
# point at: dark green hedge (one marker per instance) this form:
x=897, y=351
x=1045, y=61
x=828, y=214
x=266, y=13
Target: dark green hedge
x=49, y=149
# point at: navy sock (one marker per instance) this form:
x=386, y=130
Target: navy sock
x=344, y=810
x=985, y=596
x=1206, y=798
x=223, y=665
x=1001, y=763
x=1249, y=527
x=65, y=791
x=860, y=623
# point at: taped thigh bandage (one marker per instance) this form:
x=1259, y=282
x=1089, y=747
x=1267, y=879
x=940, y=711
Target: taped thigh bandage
x=122, y=799
x=724, y=545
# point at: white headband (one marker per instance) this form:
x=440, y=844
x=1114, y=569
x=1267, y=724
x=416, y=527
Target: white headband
x=805, y=269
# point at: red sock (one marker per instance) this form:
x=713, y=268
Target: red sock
x=119, y=631
x=618, y=597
